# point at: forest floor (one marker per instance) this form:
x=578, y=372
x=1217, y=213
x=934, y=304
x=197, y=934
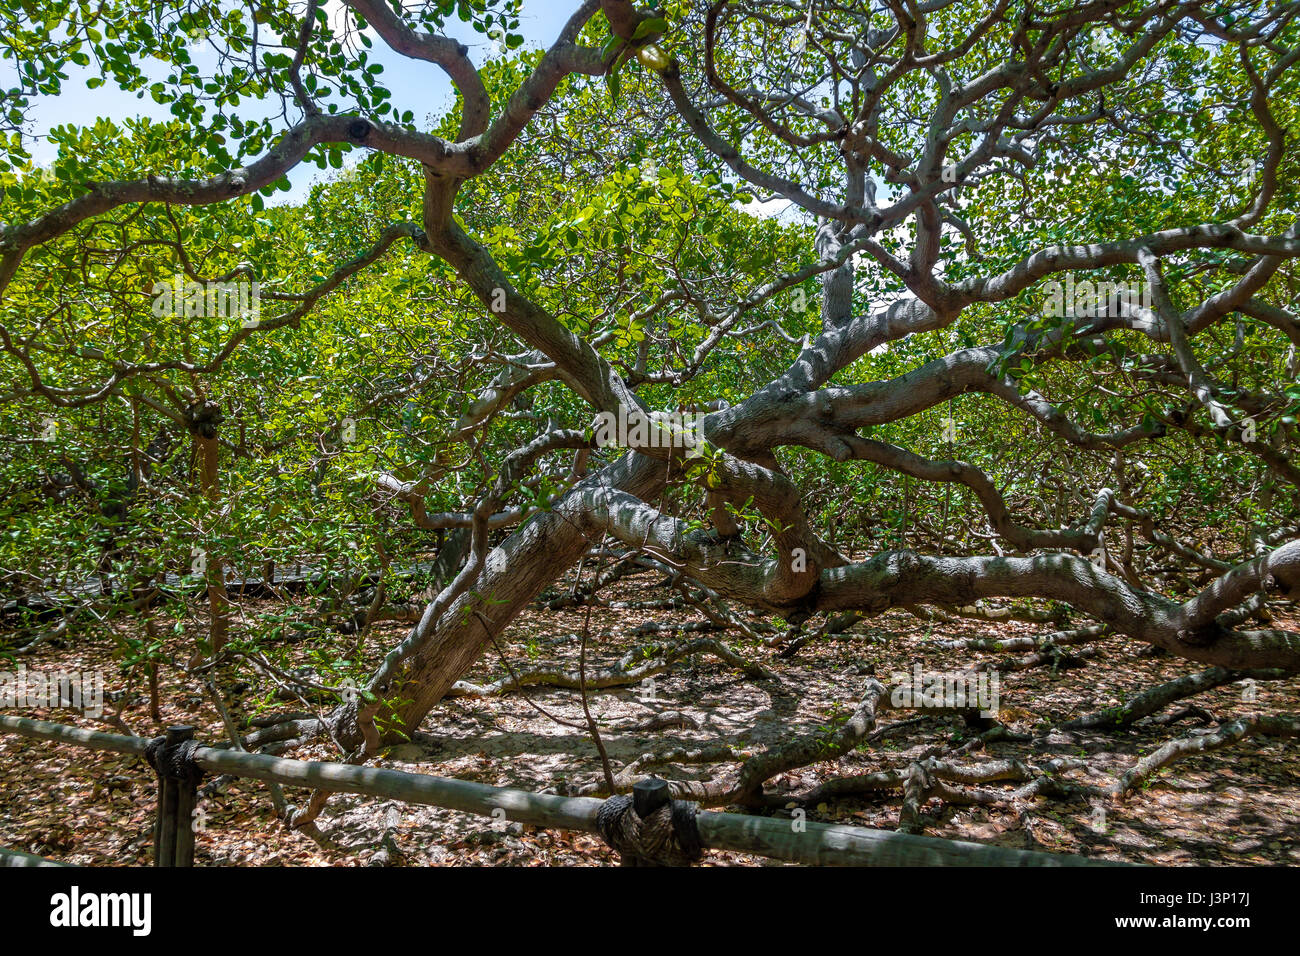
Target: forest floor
x=1239, y=805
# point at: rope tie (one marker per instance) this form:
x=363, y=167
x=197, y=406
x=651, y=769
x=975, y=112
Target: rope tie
x=649, y=828
x=175, y=761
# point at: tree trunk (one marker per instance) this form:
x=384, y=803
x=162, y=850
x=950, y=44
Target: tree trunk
x=415, y=676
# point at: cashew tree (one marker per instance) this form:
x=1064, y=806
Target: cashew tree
x=973, y=305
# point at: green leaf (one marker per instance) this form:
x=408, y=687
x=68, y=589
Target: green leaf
x=649, y=27
x=612, y=44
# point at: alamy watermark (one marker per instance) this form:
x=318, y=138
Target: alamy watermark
x=75, y=909
x=633, y=428
x=26, y=689
x=947, y=689
x=1088, y=299
x=211, y=300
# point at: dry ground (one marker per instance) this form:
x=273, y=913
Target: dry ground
x=1240, y=805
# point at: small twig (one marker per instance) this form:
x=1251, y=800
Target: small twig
x=582, y=686
x=529, y=701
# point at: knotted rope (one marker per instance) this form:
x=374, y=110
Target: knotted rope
x=666, y=836
x=175, y=761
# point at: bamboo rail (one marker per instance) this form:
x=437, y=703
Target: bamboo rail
x=10, y=858
x=813, y=843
